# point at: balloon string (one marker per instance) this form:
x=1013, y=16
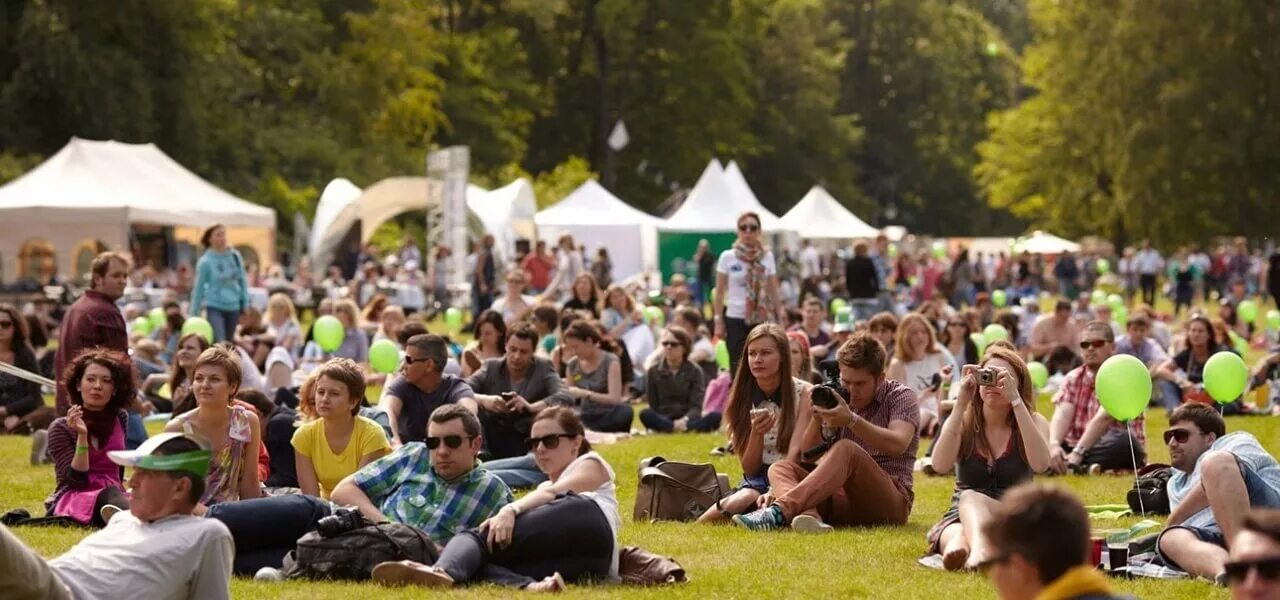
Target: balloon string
x=1134, y=455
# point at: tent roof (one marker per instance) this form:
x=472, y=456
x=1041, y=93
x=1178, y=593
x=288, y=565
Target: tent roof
x=591, y=204
x=138, y=181
x=819, y=216
x=1040, y=242
x=716, y=201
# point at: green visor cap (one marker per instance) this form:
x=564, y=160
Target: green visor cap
x=195, y=462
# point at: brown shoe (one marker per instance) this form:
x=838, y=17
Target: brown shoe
x=407, y=572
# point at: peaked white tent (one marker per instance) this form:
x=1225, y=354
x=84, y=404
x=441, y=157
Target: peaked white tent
x=506, y=212
x=94, y=191
x=1040, y=242
x=595, y=218
x=716, y=200
x=819, y=216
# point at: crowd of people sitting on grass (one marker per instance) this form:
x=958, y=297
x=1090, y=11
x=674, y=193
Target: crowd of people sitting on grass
x=825, y=401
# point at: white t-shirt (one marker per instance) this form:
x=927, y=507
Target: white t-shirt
x=810, y=265
x=735, y=298
x=175, y=557
x=605, y=497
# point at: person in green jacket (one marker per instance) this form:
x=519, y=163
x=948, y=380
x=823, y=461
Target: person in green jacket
x=221, y=288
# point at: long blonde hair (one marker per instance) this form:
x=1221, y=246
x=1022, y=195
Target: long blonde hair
x=900, y=350
x=974, y=430
x=738, y=411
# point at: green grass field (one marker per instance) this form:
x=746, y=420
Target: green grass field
x=722, y=561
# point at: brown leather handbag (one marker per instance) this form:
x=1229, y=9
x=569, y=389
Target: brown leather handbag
x=676, y=491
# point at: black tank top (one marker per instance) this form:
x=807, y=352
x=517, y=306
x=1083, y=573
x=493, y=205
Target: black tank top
x=1010, y=469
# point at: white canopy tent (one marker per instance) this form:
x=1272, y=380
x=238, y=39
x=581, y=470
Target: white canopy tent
x=506, y=212
x=93, y=191
x=595, y=218
x=1040, y=242
x=819, y=216
x=716, y=200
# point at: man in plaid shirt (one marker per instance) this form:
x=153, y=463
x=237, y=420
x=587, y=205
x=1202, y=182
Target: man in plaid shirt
x=433, y=486
x=1082, y=436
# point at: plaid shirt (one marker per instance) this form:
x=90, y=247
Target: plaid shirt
x=407, y=490
x=893, y=402
x=1078, y=390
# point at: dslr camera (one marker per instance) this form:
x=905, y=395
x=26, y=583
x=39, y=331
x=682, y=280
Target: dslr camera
x=824, y=396
x=343, y=520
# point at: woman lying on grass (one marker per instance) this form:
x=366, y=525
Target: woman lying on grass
x=994, y=440
x=566, y=529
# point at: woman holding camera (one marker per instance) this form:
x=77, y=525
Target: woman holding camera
x=762, y=416
x=565, y=530
x=994, y=440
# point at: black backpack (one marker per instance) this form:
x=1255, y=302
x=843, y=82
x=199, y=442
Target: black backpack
x=1150, y=491
x=354, y=554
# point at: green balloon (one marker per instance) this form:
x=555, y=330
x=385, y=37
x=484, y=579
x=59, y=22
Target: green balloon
x=198, y=325
x=453, y=317
x=1225, y=376
x=1039, y=373
x=893, y=251
x=384, y=357
x=1120, y=316
x=156, y=318
x=837, y=304
x=999, y=298
x=1240, y=344
x=1115, y=301
x=1273, y=320
x=1103, y=265
x=939, y=249
x=1123, y=386
x=654, y=315
x=1098, y=297
x=722, y=355
x=328, y=333
x=995, y=332
x=1248, y=310
x=980, y=341
x=142, y=325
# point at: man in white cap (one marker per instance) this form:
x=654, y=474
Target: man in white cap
x=155, y=550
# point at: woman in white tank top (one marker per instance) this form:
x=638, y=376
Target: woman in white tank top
x=565, y=530
x=917, y=357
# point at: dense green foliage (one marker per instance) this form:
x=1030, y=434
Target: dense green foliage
x=948, y=116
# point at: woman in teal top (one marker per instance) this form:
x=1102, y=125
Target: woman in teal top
x=221, y=288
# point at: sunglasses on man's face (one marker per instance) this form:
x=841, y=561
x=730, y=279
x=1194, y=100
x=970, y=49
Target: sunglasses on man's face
x=1095, y=344
x=1268, y=569
x=550, y=442
x=1182, y=435
x=748, y=228
x=452, y=441
x=409, y=359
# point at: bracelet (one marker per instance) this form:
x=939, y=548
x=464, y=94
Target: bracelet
x=1017, y=403
x=1079, y=451
x=82, y=449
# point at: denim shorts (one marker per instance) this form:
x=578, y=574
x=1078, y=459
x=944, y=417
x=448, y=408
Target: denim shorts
x=758, y=482
x=1261, y=495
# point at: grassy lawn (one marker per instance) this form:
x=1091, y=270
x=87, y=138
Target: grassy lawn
x=723, y=562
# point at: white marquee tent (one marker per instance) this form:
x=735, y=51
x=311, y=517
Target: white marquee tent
x=715, y=202
x=506, y=212
x=819, y=216
x=93, y=191
x=1040, y=242
x=595, y=218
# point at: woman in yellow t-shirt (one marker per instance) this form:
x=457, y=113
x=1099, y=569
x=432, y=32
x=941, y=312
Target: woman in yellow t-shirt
x=333, y=441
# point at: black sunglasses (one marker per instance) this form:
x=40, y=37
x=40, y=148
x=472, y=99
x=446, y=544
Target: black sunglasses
x=551, y=442
x=452, y=441
x=670, y=344
x=1095, y=344
x=408, y=360
x=1182, y=435
x=1268, y=569
x=985, y=566
x=6, y=324
x=748, y=228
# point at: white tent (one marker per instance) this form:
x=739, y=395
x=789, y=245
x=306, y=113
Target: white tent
x=716, y=200
x=595, y=218
x=506, y=212
x=1040, y=242
x=93, y=191
x=819, y=216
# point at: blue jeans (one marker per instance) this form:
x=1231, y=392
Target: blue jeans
x=223, y=322
x=1170, y=394
x=135, y=433
x=519, y=472
x=266, y=529
x=658, y=422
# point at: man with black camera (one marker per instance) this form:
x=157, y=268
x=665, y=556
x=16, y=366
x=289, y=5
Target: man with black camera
x=512, y=389
x=862, y=432
x=1083, y=438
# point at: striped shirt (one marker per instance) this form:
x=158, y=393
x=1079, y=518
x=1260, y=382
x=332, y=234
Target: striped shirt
x=407, y=490
x=893, y=402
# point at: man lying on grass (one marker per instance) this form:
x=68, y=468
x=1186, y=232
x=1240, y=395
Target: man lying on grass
x=155, y=550
x=1216, y=479
x=864, y=478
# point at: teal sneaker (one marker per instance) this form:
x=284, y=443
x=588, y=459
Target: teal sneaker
x=765, y=519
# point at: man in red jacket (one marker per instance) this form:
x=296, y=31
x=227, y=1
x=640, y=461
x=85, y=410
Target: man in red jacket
x=94, y=320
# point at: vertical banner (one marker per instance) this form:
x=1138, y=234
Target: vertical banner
x=447, y=171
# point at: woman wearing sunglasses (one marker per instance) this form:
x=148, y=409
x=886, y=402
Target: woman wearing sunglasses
x=746, y=288
x=674, y=388
x=21, y=405
x=994, y=441
x=565, y=530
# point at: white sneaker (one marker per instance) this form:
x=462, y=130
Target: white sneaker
x=268, y=574
x=107, y=511
x=810, y=524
